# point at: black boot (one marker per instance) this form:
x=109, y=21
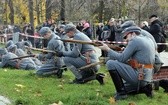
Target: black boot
x=77, y=81
x=156, y=85
x=118, y=83
x=147, y=90
x=164, y=84
x=59, y=73
x=99, y=78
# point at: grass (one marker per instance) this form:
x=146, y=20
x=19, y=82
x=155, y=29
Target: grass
x=24, y=88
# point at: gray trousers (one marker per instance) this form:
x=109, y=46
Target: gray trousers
x=130, y=75
x=74, y=63
x=50, y=67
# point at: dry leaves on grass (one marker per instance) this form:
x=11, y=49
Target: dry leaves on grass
x=112, y=101
x=20, y=86
x=132, y=103
x=59, y=103
x=60, y=86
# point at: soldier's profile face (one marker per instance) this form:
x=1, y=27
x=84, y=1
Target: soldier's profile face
x=70, y=34
x=47, y=35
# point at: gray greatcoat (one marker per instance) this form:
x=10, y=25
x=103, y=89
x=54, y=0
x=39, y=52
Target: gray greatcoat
x=77, y=57
x=140, y=48
x=53, y=63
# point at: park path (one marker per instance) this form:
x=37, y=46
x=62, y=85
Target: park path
x=4, y=101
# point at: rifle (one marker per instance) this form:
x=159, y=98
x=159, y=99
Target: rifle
x=42, y=50
x=90, y=65
x=22, y=57
x=92, y=43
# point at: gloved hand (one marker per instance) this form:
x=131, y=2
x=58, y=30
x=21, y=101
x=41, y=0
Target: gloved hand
x=59, y=54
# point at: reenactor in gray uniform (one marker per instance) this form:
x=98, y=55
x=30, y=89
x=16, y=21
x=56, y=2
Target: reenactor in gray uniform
x=158, y=62
x=23, y=44
x=53, y=64
x=131, y=70
x=63, y=35
x=6, y=62
x=25, y=63
x=81, y=55
x=8, y=43
x=12, y=48
x=3, y=51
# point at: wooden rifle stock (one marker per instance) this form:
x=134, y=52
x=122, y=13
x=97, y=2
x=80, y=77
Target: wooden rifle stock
x=22, y=57
x=80, y=42
x=42, y=50
x=92, y=43
x=90, y=65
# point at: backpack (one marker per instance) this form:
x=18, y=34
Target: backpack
x=162, y=39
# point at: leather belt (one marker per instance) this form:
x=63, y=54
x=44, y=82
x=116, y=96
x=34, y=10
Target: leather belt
x=134, y=64
x=146, y=66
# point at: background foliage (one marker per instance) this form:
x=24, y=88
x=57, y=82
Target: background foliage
x=18, y=11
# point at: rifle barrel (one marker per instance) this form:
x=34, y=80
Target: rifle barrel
x=22, y=57
x=42, y=50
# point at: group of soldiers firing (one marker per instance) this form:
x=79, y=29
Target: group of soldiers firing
x=131, y=69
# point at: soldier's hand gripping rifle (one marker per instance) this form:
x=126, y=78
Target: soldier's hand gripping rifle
x=22, y=57
x=95, y=43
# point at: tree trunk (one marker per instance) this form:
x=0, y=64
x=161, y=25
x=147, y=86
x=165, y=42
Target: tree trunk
x=31, y=16
x=101, y=9
x=38, y=11
x=62, y=12
x=11, y=15
x=48, y=9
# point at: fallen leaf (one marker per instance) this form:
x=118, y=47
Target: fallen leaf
x=98, y=90
x=97, y=94
x=60, y=86
x=131, y=103
x=59, y=103
x=20, y=85
x=53, y=104
x=112, y=101
x=17, y=90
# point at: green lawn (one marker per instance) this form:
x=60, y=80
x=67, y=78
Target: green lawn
x=24, y=88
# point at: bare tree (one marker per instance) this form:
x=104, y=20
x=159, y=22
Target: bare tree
x=38, y=10
x=11, y=14
x=48, y=9
x=62, y=12
x=31, y=15
x=101, y=9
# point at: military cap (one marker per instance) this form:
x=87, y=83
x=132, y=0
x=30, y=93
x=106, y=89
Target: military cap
x=152, y=16
x=10, y=42
x=62, y=26
x=3, y=51
x=131, y=29
x=44, y=30
x=127, y=24
x=69, y=27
